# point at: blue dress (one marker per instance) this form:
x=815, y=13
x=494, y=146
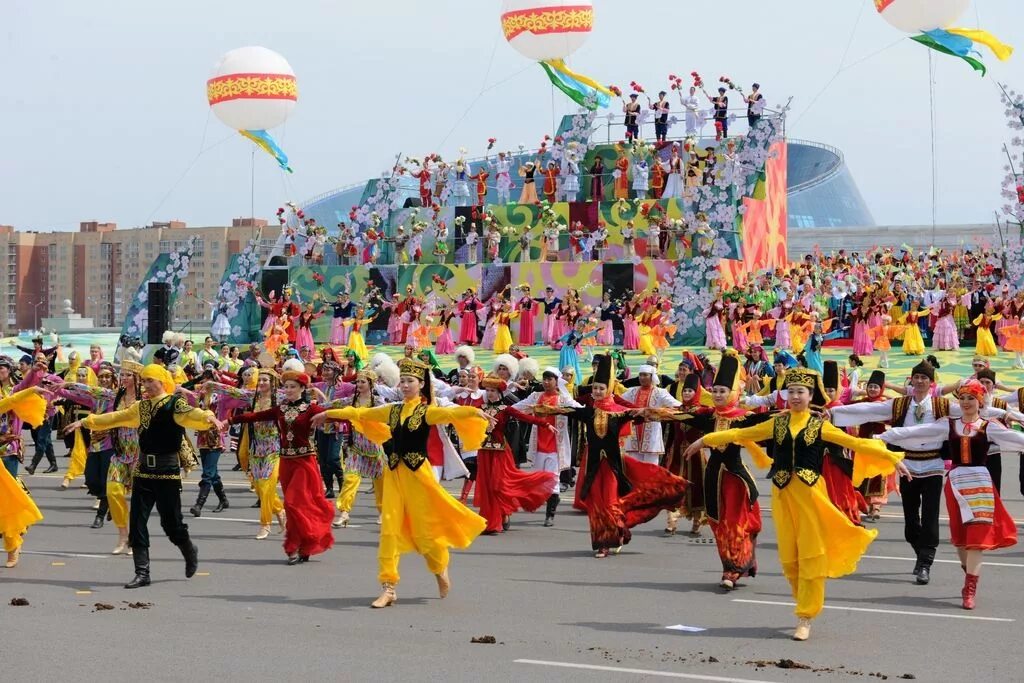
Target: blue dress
x=568, y=356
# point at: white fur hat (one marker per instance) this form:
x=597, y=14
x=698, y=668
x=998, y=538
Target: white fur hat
x=293, y=365
x=466, y=352
x=388, y=373
x=507, y=361
x=529, y=365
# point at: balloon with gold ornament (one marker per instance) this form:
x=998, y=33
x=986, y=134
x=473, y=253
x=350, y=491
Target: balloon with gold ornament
x=253, y=89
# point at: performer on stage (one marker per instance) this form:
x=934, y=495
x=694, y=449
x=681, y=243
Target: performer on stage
x=597, y=180
x=525, y=308
x=503, y=177
x=551, y=182
x=977, y=519
x=679, y=435
x=308, y=531
x=161, y=419
x=418, y=514
x=816, y=540
x=343, y=310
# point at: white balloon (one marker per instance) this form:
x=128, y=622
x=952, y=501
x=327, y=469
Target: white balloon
x=914, y=16
x=260, y=103
x=550, y=42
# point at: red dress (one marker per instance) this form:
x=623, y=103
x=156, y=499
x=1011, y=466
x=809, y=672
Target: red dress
x=837, y=471
x=501, y=487
x=308, y=530
x=526, y=316
x=620, y=492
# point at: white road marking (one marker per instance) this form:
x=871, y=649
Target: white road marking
x=938, y=615
x=642, y=672
x=912, y=559
x=60, y=554
x=688, y=629
x=274, y=526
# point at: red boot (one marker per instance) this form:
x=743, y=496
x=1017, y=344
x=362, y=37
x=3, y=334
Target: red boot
x=970, y=590
x=467, y=486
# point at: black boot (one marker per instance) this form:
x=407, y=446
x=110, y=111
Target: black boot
x=549, y=518
x=925, y=558
x=222, y=499
x=141, y=557
x=204, y=493
x=191, y=554
x=257, y=503
x=101, y=514
x=53, y=465
x=31, y=469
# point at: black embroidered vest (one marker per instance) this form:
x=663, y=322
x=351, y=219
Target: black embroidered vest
x=160, y=437
x=408, y=438
x=801, y=456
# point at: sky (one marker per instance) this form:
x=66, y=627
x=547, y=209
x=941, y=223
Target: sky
x=104, y=115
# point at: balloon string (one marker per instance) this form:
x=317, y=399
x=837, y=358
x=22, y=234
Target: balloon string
x=201, y=152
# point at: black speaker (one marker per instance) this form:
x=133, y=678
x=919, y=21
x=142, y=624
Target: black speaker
x=159, y=311
x=412, y=203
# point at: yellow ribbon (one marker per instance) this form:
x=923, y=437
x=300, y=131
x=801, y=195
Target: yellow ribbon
x=1001, y=50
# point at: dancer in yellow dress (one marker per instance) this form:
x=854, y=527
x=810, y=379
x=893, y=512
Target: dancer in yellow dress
x=355, y=337
x=984, y=323
x=503, y=334
x=418, y=514
x=17, y=510
x=816, y=540
x=913, y=343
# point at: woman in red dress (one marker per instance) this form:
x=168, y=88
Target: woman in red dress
x=501, y=487
x=619, y=492
x=977, y=519
x=309, y=514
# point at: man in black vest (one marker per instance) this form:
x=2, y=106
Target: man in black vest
x=161, y=418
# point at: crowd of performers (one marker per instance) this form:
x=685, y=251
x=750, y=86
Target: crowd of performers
x=883, y=298
x=629, y=443
x=508, y=321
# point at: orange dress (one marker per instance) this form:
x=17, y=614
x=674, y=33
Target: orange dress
x=622, y=181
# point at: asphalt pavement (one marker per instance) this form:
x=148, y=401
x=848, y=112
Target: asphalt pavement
x=555, y=612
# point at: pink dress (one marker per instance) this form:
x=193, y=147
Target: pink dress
x=606, y=333
x=445, y=344
x=491, y=328
x=739, y=336
x=630, y=330
x=303, y=333
x=862, y=344
x=782, y=338
x=945, y=337
x=713, y=329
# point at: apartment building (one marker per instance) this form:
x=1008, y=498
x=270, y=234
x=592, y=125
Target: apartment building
x=99, y=268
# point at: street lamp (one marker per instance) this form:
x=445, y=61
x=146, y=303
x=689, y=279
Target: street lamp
x=36, y=325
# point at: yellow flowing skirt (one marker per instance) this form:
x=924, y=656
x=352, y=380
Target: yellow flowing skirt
x=417, y=515
x=17, y=510
x=986, y=345
x=502, y=339
x=816, y=540
x=646, y=343
x=913, y=344
x=357, y=345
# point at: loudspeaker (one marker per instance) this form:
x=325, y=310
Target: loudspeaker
x=159, y=311
x=412, y=203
